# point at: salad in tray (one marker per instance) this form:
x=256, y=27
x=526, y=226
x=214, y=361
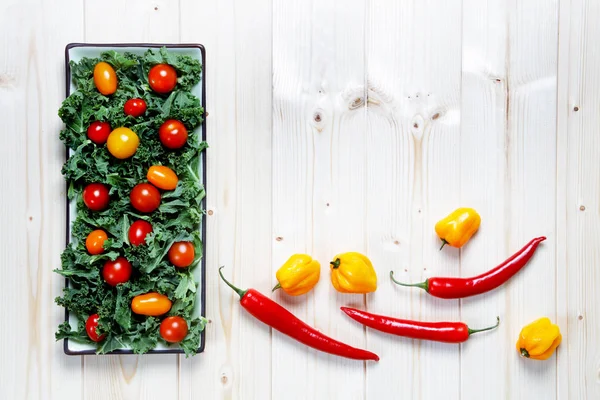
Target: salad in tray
x=133, y=173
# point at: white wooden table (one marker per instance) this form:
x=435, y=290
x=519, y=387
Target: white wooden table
x=334, y=126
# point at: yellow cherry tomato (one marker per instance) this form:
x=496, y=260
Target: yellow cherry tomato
x=162, y=177
x=122, y=143
x=105, y=78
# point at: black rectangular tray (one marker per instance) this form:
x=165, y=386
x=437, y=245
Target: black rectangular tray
x=202, y=283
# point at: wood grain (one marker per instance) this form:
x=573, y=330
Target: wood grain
x=563, y=107
x=531, y=183
x=578, y=110
x=516, y=113
x=414, y=64
x=32, y=200
x=294, y=94
x=483, y=171
x=318, y=181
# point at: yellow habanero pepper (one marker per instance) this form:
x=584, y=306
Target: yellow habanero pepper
x=353, y=273
x=539, y=339
x=458, y=227
x=298, y=275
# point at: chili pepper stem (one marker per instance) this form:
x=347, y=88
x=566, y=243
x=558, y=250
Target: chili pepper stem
x=336, y=263
x=444, y=242
x=278, y=286
x=525, y=353
x=472, y=331
x=422, y=285
x=237, y=290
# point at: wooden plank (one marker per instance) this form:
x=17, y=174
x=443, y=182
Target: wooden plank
x=484, y=132
x=31, y=90
x=237, y=36
x=509, y=87
x=129, y=376
x=530, y=184
x=413, y=63
x=579, y=108
x=564, y=107
x=293, y=185
x=17, y=292
x=319, y=181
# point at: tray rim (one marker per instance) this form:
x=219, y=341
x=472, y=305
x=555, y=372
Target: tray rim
x=202, y=49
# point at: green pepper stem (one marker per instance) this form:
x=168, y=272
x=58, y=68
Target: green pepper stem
x=336, y=263
x=422, y=285
x=237, y=290
x=472, y=331
x=525, y=353
x=444, y=242
x=278, y=286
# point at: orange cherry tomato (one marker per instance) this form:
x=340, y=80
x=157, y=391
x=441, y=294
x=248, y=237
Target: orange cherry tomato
x=152, y=304
x=162, y=177
x=94, y=243
x=105, y=78
x=181, y=254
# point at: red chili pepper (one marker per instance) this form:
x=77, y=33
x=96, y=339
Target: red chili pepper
x=277, y=317
x=456, y=288
x=447, y=332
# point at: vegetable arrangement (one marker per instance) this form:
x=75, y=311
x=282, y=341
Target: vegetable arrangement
x=353, y=272
x=133, y=171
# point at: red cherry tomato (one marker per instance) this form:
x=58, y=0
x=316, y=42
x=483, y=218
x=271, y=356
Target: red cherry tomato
x=98, y=132
x=162, y=78
x=181, y=254
x=135, y=107
x=138, y=231
x=91, y=327
x=96, y=197
x=172, y=134
x=118, y=271
x=144, y=197
x=173, y=329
